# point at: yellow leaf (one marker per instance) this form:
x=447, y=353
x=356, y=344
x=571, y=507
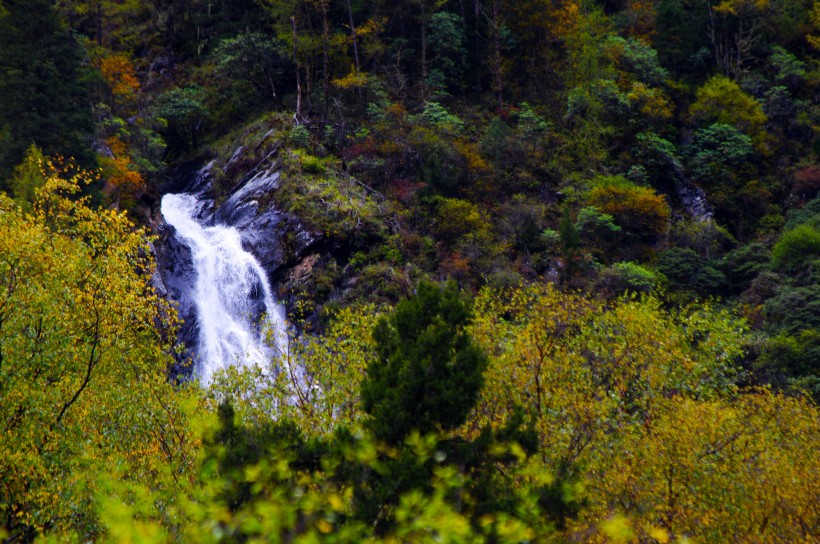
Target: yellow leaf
x=659, y=534
x=618, y=529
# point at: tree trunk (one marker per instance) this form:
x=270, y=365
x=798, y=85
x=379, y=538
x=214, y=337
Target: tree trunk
x=325, y=58
x=298, y=114
x=498, y=84
x=353, y=37
x=423, y=56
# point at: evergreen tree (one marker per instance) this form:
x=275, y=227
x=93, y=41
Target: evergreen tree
x=43, y=88
x=428, y=372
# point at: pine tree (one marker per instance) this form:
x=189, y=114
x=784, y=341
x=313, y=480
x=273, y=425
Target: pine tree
x=428, y=372
x=43, y=91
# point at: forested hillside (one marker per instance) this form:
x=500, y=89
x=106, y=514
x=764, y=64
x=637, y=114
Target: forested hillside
x=563, y=281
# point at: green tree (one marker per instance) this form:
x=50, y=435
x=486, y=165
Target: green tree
x=797, y=249
x=252, y=60
x=682, y=26
x=790, y=362
x=598, y=231
x=628, y=276
x=743, y=264
x=721, y=100
x=639, y=211
x=717, y=153
x=82, y=363
x=446, y=38
x=182, y=113
x=44, y=95
x=793, y=309
x=428, y=372
x=721, y=160
x=421, y=388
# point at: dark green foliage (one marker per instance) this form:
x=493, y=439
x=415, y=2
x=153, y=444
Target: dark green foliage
x=428, y=373
x=686, y=269
x=679, y=264
x=236, y=446
x=561, y=499
x=500, y=145
x=807, y=215
x=684, y=25
x=447, y=39
x=639, y=58
x=660, y=158
x=791, y=362
x=44, y=96
x=182, y=114
x=483, y=462
x=570, y=243
x=210, y=23
x=709, y=280
x=598, y=232
x=717, y=152
x=779, y=105
x=721, y=160
x=742, y=265
x=787, y=68
x=253, y=64
x=793, y=309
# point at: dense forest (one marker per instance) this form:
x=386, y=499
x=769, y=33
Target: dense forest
x=566, y=283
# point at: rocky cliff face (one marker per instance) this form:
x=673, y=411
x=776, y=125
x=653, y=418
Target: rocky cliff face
x=276, y=238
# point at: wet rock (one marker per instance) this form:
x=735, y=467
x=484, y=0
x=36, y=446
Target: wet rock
x=276, y=238
x=175, y=279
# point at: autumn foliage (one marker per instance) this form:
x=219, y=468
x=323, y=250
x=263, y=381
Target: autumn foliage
x=78, y=329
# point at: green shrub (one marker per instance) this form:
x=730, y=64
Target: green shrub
x=793, y=309
x=796, y=248
x=639, y=211
x=299, y=137
x=717, y=152
x=686, y=269
x=629, y=276
x=435, y=114
x=790, y=361
x=312, y=165
x=807, y=215
x=742, y=265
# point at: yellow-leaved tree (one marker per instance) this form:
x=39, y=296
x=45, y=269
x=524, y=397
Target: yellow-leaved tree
x=636, y=408
x=83, y=389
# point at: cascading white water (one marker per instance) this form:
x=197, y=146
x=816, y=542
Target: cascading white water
x=230, y=285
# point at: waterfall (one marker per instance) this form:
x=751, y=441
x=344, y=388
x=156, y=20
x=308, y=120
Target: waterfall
x=234, y=304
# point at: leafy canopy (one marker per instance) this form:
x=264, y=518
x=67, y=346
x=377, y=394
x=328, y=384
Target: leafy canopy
x=78, y=328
